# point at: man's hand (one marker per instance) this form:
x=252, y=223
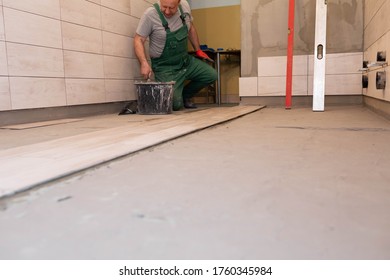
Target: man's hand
x=145, y=70
x=201, y=54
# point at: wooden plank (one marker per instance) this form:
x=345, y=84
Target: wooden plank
x=24, y=167
x=39, y=124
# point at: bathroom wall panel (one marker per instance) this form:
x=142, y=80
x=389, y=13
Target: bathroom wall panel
x=37, y=92
x=31, y=29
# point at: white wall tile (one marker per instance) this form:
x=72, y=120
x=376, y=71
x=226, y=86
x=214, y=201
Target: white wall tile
x=5, y=96
x=37, y=92
x=346, y=63
x=371, y=7
x=135, y=68
x=138, y=7
x=119, y=5
x=2, y=32
x=382, y=44
x=118, y=90
x=81, y=12
x=271, y=86
x=118, y=45
x=94, y=1
x=299, y=87
x=343, y=84
x=300, y=65
x=247, y=86
x=276, y=86
x=97, y=63
x=25, y=60
x=85, y=91
x=340, y=63
x=81, y=38
x=118, y=23
x=387, y=90
x=3, y=60
x=27, y=28
x=311, y=65
x=350, y=84
x=120, y=68
x=377, y=14
x=83, y=65
x=49, y=8
x=378, y=93
x=277, y=66
x=310, y=85
x=378, y=25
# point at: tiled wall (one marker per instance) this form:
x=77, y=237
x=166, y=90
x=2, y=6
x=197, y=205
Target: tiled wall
x=67, y=52
x=342, y=76
x=376, y=38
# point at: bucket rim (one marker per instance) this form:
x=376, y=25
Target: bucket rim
x=153, y=83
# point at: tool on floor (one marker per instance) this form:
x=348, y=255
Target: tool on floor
x=130, y=108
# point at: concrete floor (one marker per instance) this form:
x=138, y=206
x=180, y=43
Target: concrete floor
x=274, y=184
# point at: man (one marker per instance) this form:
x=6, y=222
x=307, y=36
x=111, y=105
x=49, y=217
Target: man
x=168, y=24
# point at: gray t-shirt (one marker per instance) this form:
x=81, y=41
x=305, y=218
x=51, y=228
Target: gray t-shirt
x=151, y=26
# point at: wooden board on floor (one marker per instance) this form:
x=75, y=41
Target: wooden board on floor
x=39, y=124
x=24, y=167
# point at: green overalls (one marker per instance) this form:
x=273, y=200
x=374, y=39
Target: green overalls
x=175, y=64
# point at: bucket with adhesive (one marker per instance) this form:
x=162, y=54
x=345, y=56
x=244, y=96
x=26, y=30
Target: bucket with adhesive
x=154, y=98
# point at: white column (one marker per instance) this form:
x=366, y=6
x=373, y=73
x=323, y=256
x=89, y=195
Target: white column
x=320, y=56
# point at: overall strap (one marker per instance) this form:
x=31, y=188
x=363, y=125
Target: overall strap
x=182, y=15
x=163, y=20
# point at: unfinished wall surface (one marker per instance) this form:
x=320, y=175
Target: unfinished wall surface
x=67, y=52
x=376, y=38
x=264, y=29
x=264, y=45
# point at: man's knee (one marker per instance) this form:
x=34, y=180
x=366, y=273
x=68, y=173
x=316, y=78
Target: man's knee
x=210, y=75
x=213, y=75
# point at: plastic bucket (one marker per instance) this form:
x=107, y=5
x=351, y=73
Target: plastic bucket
x=154, y=98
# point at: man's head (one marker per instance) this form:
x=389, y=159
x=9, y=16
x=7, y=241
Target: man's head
x=169, y=7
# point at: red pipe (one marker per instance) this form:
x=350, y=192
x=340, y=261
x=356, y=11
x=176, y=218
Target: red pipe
x=290, y=51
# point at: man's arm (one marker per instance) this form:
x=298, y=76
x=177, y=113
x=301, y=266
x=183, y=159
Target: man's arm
x=194, y=39
x=139, y=48
x=193, y=36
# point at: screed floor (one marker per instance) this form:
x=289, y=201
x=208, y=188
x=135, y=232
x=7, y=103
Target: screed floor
x=274, y=184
